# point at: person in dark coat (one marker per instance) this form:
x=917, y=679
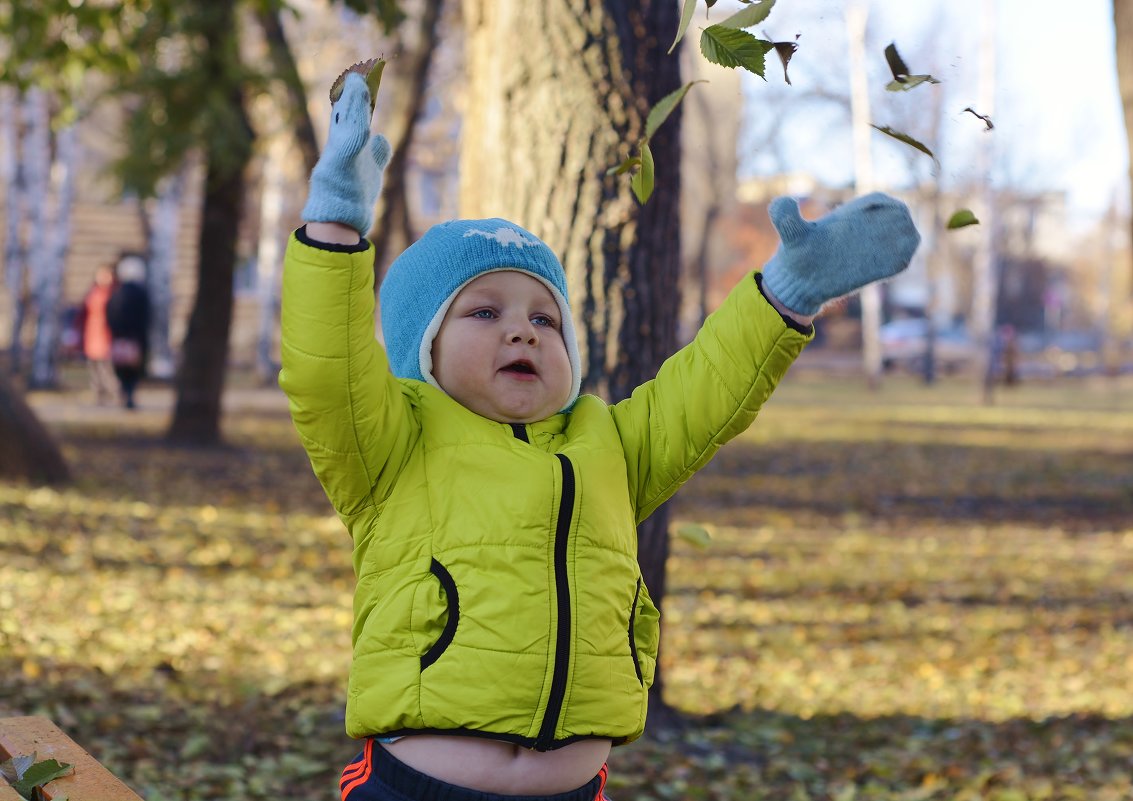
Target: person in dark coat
x=128, y=314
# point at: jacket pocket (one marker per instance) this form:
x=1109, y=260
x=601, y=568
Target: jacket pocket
x=632, y=643
x=449, y=618
x=644, y=633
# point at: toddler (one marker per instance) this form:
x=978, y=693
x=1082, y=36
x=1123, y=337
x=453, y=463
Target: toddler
x=503, y=640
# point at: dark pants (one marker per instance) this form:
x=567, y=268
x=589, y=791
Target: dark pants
x=375, y=775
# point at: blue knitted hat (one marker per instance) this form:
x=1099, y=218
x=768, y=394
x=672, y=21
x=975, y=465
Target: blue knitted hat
x=424, y=280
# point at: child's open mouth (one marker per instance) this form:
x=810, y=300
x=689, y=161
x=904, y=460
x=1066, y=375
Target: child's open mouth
x=520, y=367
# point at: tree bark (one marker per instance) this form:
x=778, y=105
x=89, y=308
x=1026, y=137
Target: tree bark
x=27, y=450
x=559, y=93
x=204, y=355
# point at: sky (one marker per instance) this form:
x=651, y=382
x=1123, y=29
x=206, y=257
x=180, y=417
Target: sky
x=1056, y=106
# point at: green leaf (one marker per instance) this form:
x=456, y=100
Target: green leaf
x=695, y=535
x=752, y=15
x=730, y=47
x=908, y=82
x=660, y=112
x=962, y=218
x=642, y=182
x=40, y=774
x=903, y=137
x=625, y=166
x=686, y=18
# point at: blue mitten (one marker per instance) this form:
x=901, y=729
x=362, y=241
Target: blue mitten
x=868, y=239
x=348, y=177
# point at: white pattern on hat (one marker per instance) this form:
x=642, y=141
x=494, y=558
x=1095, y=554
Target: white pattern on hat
x=505, y=236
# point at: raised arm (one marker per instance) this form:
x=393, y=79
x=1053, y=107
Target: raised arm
x=713, y=388
x=351, y=414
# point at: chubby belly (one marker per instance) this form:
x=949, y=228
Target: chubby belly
x=492, y=766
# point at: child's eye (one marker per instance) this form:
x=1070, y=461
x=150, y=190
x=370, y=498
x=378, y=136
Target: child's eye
x=484, y=314
x=544, y=320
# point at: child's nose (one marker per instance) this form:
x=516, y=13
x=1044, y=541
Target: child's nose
x=523, y=331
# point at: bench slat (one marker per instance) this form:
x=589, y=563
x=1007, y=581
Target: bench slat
x=90, y=781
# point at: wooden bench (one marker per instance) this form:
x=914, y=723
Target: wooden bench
x=89, y=781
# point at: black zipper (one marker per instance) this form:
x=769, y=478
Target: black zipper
x=562, y=594
x=520, y=431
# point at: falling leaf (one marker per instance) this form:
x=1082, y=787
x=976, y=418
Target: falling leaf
x=660, y=112
x=897, y=64
x=987, y=120
x=729, y=47
x=903, y=137
x=961, y=219
x=752, y=15
x=686, y=17
x=694, y=535
x=642, y=181
x=902, y=79
x=785, y=50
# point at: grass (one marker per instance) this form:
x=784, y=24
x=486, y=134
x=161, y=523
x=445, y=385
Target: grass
x=907, y=595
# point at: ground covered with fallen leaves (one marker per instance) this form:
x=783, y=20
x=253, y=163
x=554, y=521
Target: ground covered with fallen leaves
x=907, y=596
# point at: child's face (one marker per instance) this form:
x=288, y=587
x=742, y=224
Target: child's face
x=500, y=350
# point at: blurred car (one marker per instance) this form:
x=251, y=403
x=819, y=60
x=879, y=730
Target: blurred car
x=904, y=345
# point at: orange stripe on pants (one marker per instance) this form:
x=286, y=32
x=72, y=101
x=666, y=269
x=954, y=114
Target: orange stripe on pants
x=359, y=774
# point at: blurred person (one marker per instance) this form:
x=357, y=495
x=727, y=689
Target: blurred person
x=95, y=335
x=128, y=315
x=503, y=638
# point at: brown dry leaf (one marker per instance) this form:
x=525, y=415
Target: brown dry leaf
x=370, y=69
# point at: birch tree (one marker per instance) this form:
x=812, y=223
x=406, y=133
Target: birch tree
x=15, y=266
x=54, y=194
x=161, y=221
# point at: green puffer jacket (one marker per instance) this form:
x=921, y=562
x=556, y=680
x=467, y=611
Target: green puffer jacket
x=498, y=590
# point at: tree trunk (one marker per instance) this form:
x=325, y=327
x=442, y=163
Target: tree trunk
x=393, y=228
x=55, y=242
x=204, y=354
x=269, y=257
x=162, y=226
x=36, y=163
x=1123, y=25
x=27, y=450
x=559, y=92
x=15, y=265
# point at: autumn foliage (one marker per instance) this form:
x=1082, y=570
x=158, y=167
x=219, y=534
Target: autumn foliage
x=905, y=596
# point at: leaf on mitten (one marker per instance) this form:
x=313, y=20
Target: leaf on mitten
x=370, y=69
